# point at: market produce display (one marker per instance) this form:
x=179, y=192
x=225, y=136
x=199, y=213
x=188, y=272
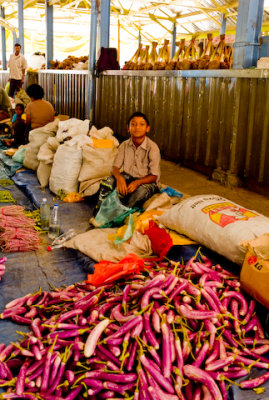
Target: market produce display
x=70, y=62
x=17, y=230
x=202, y=55
x=173, y=332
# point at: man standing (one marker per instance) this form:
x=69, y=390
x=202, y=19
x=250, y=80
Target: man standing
x=17, y=66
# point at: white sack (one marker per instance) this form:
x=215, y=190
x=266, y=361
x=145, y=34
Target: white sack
x=43, y=173
x=216, y=223
x=72, y=127
x=65, y=169
x=97, y=163
x=37, y=137
x=97, y=245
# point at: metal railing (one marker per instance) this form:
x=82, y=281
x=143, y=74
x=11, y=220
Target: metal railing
x=213, y=121
x=66, y=90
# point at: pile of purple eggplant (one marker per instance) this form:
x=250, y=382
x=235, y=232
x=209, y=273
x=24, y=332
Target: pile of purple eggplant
x=173, y=332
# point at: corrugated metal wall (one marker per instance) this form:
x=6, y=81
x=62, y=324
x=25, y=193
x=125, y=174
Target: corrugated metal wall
x=4, y=76
x=213, y=121
x=66, y=90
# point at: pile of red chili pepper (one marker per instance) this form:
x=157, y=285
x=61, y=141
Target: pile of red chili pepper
x=173, y=332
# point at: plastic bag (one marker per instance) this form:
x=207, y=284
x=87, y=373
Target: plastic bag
x=107, y=271
x=171, y=192
x=161, y=241
x=127, y=231
x=111, y=209
x=19, y=155
x=73, y=197
x=7, y=87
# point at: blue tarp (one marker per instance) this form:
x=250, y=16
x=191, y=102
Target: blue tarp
x=27, y=272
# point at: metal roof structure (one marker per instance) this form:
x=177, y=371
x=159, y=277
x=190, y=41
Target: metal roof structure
x=154, y=19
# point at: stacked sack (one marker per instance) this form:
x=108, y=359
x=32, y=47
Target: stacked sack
x=98, y=156
x=70, y=158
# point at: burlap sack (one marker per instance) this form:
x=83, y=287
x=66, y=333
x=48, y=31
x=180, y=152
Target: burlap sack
x=96, y=244
x=37, y=137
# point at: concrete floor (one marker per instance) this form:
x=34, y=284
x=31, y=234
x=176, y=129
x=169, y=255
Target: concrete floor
x=193, y=183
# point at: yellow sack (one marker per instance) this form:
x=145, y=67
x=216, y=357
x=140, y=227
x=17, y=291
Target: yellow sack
x=254, y=276
x=103, y=143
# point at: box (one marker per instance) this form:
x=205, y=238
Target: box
x=254, y=276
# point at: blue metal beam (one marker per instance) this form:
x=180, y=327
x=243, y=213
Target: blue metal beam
x=15, y=39
x=223, y=25
x=21, y=24
x=3, y=40
x=92, y=56
x=174, y=35
x=105, y=23
x=248, y=29
x=49, y=34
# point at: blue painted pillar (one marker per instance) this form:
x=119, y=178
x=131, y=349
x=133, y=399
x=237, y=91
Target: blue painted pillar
x=174, y=35
x=21, y=24
x=248, y=29
x=223, y=25
x=105, y=23
x=15, y=39
x=3, y=40
x=49, y=34
x=92, y=55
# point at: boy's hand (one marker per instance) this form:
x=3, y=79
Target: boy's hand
x=121, y=185
x=133, y=186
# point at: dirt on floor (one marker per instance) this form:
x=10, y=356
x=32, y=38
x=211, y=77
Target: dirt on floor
x=194, y=183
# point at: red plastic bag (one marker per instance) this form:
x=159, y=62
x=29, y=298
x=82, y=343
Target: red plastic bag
x=161, y=241
x=107, y=271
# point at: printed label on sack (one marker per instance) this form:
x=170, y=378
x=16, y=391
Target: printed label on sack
x=253, y=261
x=227, y=213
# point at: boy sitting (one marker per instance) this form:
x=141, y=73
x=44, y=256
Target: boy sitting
x=19, y=126
x=136, y=168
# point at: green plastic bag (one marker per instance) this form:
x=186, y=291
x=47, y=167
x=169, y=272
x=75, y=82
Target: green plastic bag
x=112, y=210
x=129, y=231
x=7, y=87
x=19, y=155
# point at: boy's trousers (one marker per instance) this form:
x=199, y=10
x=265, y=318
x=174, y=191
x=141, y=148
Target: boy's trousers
x=135, y=199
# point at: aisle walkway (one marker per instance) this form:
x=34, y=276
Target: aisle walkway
x=193, y=183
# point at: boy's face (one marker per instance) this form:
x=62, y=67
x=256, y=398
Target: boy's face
x=138, y=128
x=18, y=111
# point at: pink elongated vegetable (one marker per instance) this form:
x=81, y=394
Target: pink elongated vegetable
x=199, y=375
x=21, y=378
x=20, y=301
x=166, y=350
x=136, y=331
x=118, y=316
x=156, y=321
x=127, y=326
x=201, y=355
x=118, y=378
x=156, y=374
x=148, y=331
x=193, y=314
x=70, y=314
x=94, y=336
x=17, y=310
x=251, y=308
x=218, y=364
x=178, y=290
x=147, y=295
x=253, y=383
x=238, y=296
